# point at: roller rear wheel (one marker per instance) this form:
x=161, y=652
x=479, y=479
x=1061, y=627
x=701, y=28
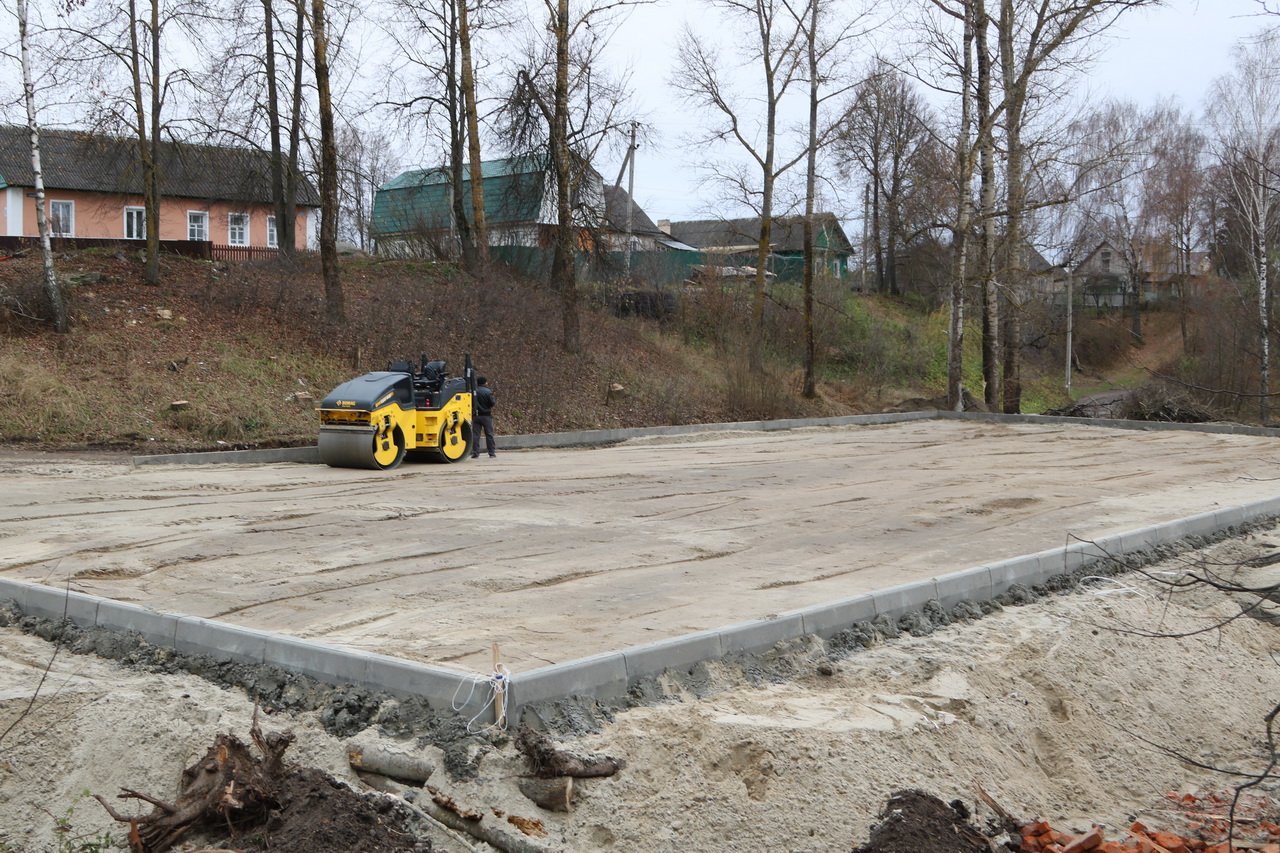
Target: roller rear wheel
x=455, y=443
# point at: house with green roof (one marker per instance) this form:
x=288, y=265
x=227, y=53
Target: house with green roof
x=736, y=241
x=413, y=213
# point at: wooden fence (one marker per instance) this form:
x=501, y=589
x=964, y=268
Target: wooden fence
x=243, y=253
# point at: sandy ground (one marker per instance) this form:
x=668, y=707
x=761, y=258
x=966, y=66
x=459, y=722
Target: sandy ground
x=1043, y=705
x=557, y=554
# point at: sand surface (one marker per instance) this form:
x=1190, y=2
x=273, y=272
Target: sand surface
x=1044, y=705
x=558, y=554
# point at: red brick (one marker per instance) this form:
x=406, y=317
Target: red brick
x=1091, y=840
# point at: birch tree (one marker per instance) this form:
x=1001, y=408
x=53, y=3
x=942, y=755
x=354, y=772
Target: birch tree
x=1244, y=115
x=52, y=290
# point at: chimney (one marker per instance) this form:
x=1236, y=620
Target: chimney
x=664, y=225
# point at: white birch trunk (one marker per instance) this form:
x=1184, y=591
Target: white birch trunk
x=42, y=221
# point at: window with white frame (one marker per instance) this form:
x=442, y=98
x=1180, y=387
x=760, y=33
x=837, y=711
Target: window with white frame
x=273, y=237
x=237, y=229
x=135, y=223
x=62, y=218
x=197, y=225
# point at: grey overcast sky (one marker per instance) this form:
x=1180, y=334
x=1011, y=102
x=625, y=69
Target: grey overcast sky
x=1173, y=51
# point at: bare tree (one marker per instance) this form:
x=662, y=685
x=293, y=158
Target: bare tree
x=1039, y=40
x=1121, y=148
x=433, y=38
x=335, y=311
x=773, y=47
x=1175, y=194
x=825, y=39
x=1245, y=116
x=52, y=290
x=565, y=104
x=366, y=161
x=102, y=39
x=888, y=131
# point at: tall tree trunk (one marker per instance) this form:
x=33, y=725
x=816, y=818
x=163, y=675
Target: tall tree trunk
x=51, y=288
x=877, y=232
x=335, y=311
x=960, y=245
x=1261, y=250
x=457, y=143
x=288, y=228
x=145, y=151
x=986, y=147
x=1135, y=305
x=563, y=263
x=1015, y=95
x=273, y=119
x=479, y=223
x=810, y=189
x=152, y=213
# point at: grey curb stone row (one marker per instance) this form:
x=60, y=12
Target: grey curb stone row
x=613, y=673
x=192, y=635
x=588, y=438
x=578, y=438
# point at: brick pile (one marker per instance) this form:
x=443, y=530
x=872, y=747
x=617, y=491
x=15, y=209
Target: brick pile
x=1207, y=830
x=1040, y=837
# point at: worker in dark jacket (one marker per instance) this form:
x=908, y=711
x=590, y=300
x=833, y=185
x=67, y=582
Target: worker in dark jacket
x=484, y=403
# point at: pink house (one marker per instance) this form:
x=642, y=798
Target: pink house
x=93, y=189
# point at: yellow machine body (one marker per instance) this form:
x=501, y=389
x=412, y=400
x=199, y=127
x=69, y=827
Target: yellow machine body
x=376, y=420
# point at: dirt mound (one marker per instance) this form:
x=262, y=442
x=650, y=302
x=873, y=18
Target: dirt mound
x=319, y=813
x=916, y=822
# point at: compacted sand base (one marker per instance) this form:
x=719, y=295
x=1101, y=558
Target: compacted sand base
x=558, y=554
x=1045, y=705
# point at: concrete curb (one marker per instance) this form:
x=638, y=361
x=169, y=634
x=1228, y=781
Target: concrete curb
x=530, y=441
x=310, y=455
x=192, y=635
x=976, y=584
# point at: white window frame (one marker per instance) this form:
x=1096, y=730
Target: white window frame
x=231, y=229
x=202, y=217
x=273, y=234
x=71, y=223
x=140, y=213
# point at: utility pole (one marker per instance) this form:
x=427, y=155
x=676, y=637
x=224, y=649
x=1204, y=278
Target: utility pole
x=629, y=166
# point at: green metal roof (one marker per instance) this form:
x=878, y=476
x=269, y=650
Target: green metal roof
x=421, y=200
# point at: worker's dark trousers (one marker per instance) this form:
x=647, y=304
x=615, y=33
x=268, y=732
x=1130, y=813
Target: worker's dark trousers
x=485, y=421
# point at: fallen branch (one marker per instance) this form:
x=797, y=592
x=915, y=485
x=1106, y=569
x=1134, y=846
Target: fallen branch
x=462, y=819
x=554, y=795
x=547, y=761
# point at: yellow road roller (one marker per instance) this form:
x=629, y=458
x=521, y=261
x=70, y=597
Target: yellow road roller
x=376, y=420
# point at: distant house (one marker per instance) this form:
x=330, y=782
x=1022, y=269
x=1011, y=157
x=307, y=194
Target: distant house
x=413, y=213
x=1108, y=272
x=93, y=189
x=646, y=236
x=735, y=241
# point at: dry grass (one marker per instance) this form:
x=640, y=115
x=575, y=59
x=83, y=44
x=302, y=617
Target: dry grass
x=236, y=341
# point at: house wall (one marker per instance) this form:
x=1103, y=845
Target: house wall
x=101, y=215
x=12, y=212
